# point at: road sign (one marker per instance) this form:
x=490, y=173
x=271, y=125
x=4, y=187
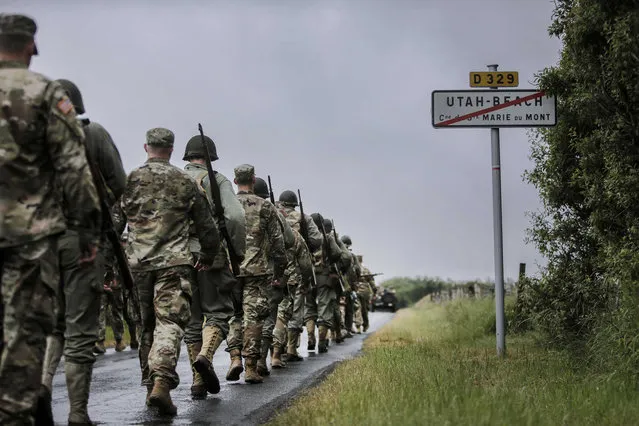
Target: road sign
x=494, y=79
x=493, y=108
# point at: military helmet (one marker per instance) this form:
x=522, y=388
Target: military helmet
x=347, y=240
x=194, y=148
x=328, y=225
x=260, y=188
x=289, y=198
x=74, y=95
x=318, y=219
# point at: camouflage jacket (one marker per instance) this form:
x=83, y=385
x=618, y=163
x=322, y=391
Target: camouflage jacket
x=264, y=239
x=328, y=254
x=300, y=266
x=159, y=203
x=233, y=213
x=293, y=217
x=43, y=164
x=366, y=285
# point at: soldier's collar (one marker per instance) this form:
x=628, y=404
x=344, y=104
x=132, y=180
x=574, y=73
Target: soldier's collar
x=12, y=64
x=245, y=192
x=157, y=160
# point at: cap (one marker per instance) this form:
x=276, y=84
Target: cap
x=11, y=24
x=244, y=172
x=160, y=137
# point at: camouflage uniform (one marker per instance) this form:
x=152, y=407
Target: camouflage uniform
x=213, y=296
x=276, y=294
x=264, y=241
x=159, y=202
x=290, y=312
x=365, y=290
x=42, y=164
x=293, y=313
x=327, y=287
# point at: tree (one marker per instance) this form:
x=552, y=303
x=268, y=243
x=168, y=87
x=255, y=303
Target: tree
x=587, y=173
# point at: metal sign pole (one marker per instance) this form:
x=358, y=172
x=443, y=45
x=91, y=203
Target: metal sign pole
x=498, y=237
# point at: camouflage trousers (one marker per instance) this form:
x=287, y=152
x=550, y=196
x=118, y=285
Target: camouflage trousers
x=310, y=306
x=112, y=313
x=290, y=315
x=256, y=308
x=364, y=301
x=210, y=304
x=275, y=297
x=29, y=278
x=235, y=339
x=165, y=310
x=357, y=316
x=327, y=308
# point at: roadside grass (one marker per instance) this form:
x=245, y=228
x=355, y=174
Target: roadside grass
x=436, y=364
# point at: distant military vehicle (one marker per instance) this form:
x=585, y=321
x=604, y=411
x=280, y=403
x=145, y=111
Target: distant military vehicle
x=384, y=299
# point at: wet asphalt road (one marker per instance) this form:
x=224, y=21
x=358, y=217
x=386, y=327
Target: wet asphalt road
x=117, y=397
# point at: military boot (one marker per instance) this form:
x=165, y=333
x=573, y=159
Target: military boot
x=120, y=345
x=44, y=412
x=310, y=329
x=276, y=360
x=211, y=339
x=236, y=367
x=322, y=346
x=78, y=386
x=198, y=388
x=134, y=344
x=291, y=350
x=161, y=397
x=99, y=348
x=262, y=368
x=251, y=376
x=149, y=389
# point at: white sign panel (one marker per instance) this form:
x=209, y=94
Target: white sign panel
x=493, y=108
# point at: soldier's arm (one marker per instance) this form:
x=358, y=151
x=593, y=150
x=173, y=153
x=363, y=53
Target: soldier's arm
x=234, y=215
x=273, y=232
x=315, y=238
x=356, y=266
x=65, y=143
x=304, y=261
x=205, y=227
x=345, y=255
x=334, y=252
x=289, y=238
x=107, y=157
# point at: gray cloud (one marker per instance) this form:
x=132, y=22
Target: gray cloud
x=331, y=97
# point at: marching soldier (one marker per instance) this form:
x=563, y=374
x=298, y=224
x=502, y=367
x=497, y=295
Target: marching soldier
x=159, y=203
x=264, y=243
x=213, y=296
x=43, y=171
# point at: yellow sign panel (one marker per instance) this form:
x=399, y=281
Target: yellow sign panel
x=494, y=79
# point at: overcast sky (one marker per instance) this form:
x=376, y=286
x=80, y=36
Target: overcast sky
x=332, y=97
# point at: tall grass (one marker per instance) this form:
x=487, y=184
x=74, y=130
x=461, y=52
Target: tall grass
x=436, y=364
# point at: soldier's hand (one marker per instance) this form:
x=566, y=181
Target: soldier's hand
x=88, y=249
x=276, y=283
x=108, y=286
x=204, y=262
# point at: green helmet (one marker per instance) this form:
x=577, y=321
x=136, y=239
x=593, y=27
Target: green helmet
x=74, y=95
x=194, y=148
x=347, y=240
x=328, y=225
x=318, y=219
x=289, y=198
x=260, y=188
